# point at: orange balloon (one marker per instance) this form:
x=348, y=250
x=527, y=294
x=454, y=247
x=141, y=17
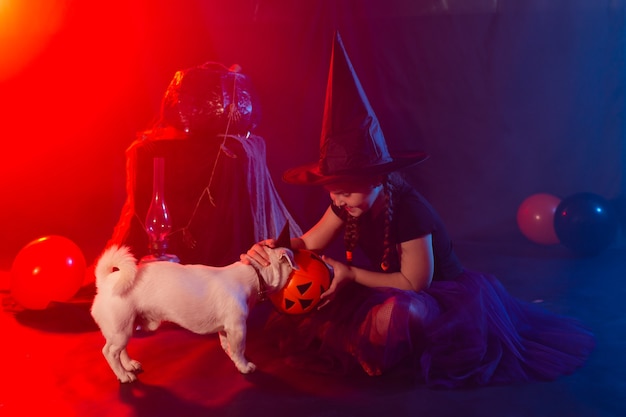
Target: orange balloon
x=50, y=268
x=535, y=218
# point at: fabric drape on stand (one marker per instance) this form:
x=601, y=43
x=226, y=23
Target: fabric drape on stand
x=220, y=197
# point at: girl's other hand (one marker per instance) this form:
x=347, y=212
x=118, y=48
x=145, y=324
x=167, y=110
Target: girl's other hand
x=343, y=275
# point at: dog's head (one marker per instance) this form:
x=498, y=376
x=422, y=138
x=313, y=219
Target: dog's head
x=282, y=263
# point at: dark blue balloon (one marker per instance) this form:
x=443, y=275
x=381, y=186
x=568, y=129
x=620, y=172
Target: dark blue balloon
x=586, y=223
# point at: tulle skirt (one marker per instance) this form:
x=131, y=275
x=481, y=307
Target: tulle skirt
x=461, y=333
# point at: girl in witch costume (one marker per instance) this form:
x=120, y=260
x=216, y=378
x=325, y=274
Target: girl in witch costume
x=416, y=308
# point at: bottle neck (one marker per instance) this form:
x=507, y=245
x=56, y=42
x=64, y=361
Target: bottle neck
x=158, y=177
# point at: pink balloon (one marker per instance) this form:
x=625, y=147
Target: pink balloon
x=535, y=218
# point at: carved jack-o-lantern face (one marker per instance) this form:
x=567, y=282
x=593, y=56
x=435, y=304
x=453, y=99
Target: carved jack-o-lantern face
x=305, y=285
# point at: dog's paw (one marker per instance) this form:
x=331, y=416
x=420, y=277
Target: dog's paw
x=127, y=377
x=132, y=366
x=246, y=368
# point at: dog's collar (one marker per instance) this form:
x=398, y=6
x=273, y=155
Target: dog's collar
x=263, y=290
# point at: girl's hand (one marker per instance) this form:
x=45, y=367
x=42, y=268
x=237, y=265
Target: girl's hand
x=257, y=253
x=343, y=275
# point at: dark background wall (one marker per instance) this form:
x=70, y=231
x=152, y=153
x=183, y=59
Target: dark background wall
x=510, y=98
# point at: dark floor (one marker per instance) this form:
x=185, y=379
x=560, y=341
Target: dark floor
x=50, y=360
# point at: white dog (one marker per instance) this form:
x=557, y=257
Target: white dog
x=203, y=299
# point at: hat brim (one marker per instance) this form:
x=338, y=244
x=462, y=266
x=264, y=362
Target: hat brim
x=310, y=174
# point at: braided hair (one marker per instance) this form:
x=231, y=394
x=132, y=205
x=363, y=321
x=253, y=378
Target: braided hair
x=351, y=232
x=351, y=236
x=388, y=194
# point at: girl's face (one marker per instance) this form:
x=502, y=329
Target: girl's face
x=356, y=199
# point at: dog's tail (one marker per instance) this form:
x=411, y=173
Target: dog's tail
x=120, y=259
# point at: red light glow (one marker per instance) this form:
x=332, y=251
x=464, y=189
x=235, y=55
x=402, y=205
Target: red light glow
x=66, y=68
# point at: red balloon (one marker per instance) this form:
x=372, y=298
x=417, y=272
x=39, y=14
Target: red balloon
x=50, y=268
x=535, y=218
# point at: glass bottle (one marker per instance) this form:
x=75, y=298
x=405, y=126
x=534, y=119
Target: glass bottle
x=158, y=224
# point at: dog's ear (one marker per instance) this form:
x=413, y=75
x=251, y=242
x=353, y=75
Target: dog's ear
x=286, y=255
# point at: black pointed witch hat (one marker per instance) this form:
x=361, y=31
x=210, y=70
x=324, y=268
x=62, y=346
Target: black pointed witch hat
x=284, y=239
x=352, y=144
